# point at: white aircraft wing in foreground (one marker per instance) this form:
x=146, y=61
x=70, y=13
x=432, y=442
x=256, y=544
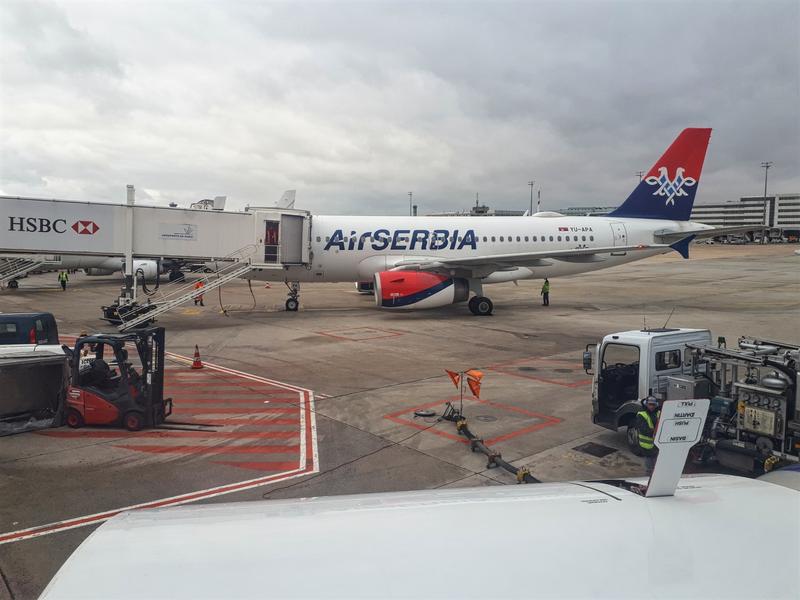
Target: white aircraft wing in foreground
x=718, y=537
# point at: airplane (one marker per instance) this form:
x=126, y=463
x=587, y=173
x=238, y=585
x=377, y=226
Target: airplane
x=429, y=262
x=665, y=536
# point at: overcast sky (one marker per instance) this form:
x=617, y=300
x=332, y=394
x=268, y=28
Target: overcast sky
x=356, y=104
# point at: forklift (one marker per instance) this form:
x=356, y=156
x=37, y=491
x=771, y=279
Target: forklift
x=101, y=395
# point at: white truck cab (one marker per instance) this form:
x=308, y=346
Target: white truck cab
x=632, y=364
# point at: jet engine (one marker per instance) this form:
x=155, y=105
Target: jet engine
x=149, y=268
x=405, y=290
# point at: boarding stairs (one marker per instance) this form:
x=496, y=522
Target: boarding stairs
x=16, y=267
x=172, y=295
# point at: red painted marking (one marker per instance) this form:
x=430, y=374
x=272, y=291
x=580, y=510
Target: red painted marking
x=545, y=420
x=338, y=336
x=182, y=499
x=184, y=400
x=266, y=420
x=236, y=411
x=506, y=369
x=259, y=466
x=213, y=449
x=211, y=435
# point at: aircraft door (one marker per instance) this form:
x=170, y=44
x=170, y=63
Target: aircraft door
x=619, y=234
x=292, y=239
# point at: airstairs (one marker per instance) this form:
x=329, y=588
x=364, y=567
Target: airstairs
x=16, y=267
x=172, y=295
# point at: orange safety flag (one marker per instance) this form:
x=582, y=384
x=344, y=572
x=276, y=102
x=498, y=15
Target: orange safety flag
x=475, y=374
x=475, y=387
x=455, y=377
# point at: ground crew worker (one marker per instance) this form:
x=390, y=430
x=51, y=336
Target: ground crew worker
x=63, y=278
x=646, y=421
x=199, y=298
x=545, y=292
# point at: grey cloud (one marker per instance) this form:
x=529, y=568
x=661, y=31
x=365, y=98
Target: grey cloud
x=355, y=104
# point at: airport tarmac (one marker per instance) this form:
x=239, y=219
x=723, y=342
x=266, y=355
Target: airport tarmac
x=346, y=379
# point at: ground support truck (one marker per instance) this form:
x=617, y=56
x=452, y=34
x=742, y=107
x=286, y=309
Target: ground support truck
x=753, y=423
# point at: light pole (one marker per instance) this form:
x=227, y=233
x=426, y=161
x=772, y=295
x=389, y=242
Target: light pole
x=765, y=165
x=640, y=174
x=530, y=184
x=410, y=203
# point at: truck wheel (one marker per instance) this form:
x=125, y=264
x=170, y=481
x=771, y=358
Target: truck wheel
x=133, y=421
x=74, y=419
x=632, y=436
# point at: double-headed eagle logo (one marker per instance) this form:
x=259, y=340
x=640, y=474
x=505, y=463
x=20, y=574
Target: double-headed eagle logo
x=670, y=187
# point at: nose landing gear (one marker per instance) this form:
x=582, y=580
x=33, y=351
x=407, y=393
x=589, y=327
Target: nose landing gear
x=293, y=301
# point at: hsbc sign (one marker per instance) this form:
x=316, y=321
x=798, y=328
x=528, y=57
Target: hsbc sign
x=45, y=225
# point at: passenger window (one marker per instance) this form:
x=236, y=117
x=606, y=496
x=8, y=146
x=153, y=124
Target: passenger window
x=501, y=238
x=319, y=239
x=551, y=238
x=493, y=239
x=567, y=238
x=591, y=238
x=534, y=238
x=518, y=238
x=484, y=239
x=526, y=238
x=559, y=238
x=583, y=238
x=327, y=238
x=668, y=359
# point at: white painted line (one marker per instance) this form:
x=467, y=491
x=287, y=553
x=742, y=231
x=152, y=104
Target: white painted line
x=220, y=490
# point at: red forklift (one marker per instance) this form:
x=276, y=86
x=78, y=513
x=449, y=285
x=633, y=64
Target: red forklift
x=100, y=394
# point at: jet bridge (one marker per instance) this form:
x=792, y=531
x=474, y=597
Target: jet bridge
x=264, y=239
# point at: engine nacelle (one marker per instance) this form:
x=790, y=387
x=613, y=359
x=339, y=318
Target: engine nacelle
x=406, y=290
x=149, y=268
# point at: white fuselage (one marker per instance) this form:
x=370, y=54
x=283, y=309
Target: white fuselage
x=348, y=248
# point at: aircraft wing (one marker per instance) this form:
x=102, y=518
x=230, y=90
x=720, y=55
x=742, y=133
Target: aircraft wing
x=669, y=237
x=499, y=262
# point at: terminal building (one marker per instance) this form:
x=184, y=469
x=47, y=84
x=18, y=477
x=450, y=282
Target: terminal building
x=779, y=213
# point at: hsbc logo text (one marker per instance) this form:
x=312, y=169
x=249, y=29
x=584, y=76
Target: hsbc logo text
x=85, y=227
x=45, y=225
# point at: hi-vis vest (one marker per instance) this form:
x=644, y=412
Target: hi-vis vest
x=646, y=441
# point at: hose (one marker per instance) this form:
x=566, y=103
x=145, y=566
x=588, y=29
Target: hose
x=476, y=444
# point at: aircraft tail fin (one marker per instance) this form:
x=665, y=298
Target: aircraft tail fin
x=668, y=189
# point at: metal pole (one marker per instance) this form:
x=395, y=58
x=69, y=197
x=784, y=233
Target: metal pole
x=130, y=289
x=530, y=184
x=410, y=204
x=640, y=174
x=765, y=165
x=539, y=201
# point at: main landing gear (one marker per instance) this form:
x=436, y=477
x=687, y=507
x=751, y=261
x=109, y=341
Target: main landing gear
x=293, y=301
x=480, y=306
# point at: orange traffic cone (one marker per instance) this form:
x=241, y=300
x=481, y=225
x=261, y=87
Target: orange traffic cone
x=197, y=363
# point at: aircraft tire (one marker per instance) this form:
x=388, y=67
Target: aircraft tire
x=481, y=306
x=13, y=284
x=292, y=304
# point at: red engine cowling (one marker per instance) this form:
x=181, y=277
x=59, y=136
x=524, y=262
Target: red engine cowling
x=405, y=290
